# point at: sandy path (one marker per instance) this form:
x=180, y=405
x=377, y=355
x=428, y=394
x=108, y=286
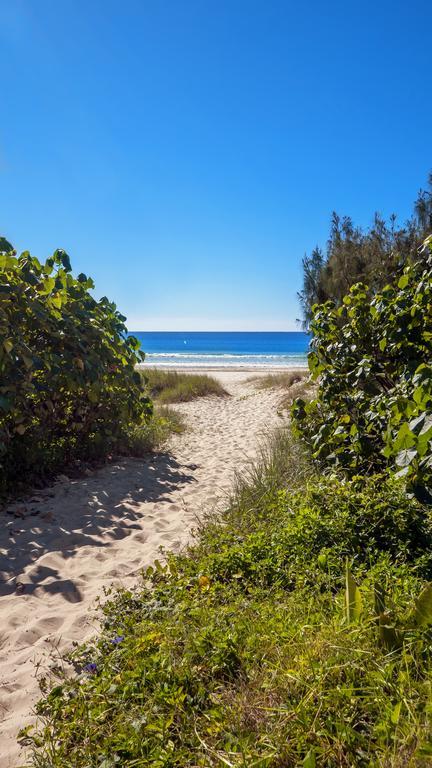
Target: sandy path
x=86, y=534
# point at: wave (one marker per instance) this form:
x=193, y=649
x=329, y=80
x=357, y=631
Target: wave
x=224, y=355
x=225, y=360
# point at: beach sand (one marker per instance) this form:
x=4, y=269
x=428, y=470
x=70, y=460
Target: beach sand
x=61, y=547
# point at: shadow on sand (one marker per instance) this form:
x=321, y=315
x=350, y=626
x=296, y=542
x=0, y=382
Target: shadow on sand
x=79, y=513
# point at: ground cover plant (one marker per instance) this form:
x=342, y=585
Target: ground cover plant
x=68, y=385
x=260, y=646
x=175, y=387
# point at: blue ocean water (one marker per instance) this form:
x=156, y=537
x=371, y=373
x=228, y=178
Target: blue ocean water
x=227, y=349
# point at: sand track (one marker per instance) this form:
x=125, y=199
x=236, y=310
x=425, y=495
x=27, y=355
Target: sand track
x=66, y=544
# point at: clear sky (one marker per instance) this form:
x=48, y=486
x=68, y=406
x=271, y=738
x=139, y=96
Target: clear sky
x=186, y=153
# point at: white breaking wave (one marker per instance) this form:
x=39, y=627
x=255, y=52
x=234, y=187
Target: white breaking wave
x=226, y=360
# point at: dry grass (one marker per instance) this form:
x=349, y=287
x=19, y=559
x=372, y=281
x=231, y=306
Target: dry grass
x=173, y=387
x=283, y=380
x=295, y=383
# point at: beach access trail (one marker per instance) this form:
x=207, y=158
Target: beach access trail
x=61, y=547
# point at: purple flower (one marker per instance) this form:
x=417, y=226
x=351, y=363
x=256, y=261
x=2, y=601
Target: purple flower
x=118, y=639
x=91, y=668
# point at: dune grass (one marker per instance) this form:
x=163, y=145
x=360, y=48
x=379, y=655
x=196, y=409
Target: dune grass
x=152, y=435
x=282, y=380
x=239, y=652
x=295, y=383
x=173, y=387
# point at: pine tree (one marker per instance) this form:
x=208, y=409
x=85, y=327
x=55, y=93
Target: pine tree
x=374, y=257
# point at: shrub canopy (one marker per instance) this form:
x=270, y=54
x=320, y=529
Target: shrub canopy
x=373, y=358
x=68, y=385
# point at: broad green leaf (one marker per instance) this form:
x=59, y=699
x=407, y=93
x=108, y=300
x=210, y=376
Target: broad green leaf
x=416, y=424
x=421, y=396
x=421, y=614
x=404, y=472
x=423, y=444
x=61, y=256
x=405, y=438
x=48, y=284
x=7, y=261
x=427, y=425
x=309, y=761
x=405, y=457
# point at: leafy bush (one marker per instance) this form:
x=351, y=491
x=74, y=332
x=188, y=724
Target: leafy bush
x=68, y=385
x=240, y=653
x=314, y=530
x=374, y=364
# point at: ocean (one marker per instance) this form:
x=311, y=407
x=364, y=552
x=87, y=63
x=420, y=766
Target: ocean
x=227, y=349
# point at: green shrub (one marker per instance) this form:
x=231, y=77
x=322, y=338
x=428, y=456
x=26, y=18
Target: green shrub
x=68, y=385
x=374, y=364
x=239, y=652
x=313, y=531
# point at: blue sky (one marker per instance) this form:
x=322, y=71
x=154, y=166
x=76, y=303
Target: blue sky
x=186, y=153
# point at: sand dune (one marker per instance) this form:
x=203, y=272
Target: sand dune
x=61, y=547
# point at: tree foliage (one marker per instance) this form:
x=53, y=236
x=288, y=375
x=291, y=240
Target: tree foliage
x=374, y=257
x=373, y=358
x=68, y=385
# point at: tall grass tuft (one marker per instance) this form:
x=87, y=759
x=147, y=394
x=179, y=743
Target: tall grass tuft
x=153, y=435
x=284, y=380
x=282, y=463
x=174, y=387
x=292, y=384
